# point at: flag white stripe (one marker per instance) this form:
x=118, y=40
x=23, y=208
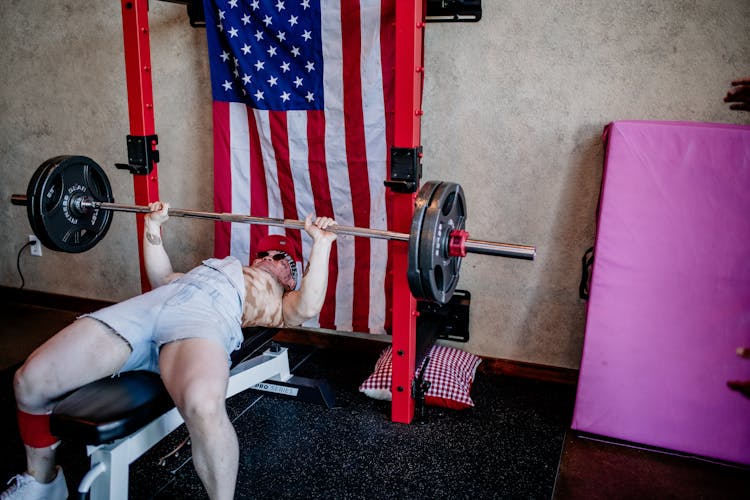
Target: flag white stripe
x=335, y=151
x=239, y=150
x=376, y=147
x=300, y=167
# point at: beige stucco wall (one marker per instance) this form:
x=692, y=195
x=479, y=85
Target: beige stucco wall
x=515, y=106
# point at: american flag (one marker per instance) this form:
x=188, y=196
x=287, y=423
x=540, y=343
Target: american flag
x=303, y=112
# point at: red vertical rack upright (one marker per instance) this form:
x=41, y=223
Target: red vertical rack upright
x=140, y=104
x=408, y=112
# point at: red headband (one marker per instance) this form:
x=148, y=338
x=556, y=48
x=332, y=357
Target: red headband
x=279, y=243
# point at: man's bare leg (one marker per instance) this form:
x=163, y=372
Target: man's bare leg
x=82, y=352
x=196, y=373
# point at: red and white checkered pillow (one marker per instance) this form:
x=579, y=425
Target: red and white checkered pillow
x=450, y=373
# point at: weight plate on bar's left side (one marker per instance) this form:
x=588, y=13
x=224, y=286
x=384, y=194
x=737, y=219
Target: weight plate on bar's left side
x=439, y=270
x=36, y=226
x=53, y=197
x=421, y=203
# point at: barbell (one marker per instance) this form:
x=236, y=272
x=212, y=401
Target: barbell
x=70, y=204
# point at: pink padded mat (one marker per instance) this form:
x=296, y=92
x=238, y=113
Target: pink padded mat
x=670, y=291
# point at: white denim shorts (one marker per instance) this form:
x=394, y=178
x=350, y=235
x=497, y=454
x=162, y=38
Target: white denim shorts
x=204, y=303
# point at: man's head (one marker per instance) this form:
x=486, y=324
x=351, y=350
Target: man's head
x=278, y=256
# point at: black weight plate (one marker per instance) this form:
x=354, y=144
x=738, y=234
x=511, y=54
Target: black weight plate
x=420, y=207
x=439, y=270
x=35, y=186
x=55, y=219
x=30, y=190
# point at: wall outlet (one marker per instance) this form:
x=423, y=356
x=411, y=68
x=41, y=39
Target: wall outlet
x=36, y=247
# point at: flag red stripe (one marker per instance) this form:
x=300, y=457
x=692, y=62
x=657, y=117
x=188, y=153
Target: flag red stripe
x=258, y=186
x=316, y=159
x=356, y=156
x=222, y=177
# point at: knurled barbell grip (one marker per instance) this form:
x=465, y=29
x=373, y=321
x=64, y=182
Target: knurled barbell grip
x=472, y=246
x=249, y=219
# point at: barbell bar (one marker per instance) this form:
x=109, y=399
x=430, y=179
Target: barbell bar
x=69, y=203
x=471, y=246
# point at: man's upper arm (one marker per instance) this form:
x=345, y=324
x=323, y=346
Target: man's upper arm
x=292, y=310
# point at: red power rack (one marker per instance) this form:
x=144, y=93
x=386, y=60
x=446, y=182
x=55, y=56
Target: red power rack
x=408, y=97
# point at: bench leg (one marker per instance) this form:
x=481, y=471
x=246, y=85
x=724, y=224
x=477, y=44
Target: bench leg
x=112, y=484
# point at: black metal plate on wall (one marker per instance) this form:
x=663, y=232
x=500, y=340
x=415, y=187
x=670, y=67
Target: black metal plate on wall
x=454, y=11
x=453, y=316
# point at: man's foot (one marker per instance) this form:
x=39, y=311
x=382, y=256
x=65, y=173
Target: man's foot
x=26, y=487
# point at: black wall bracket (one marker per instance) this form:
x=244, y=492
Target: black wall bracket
x=452, y=317
x=406, y=169
x=454, y=11
x=142, y=154
x=195, y=12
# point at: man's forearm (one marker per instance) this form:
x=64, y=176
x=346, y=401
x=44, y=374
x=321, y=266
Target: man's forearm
x=155, y=258
x=307, y=302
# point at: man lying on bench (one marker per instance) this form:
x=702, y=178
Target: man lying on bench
x=184, y=329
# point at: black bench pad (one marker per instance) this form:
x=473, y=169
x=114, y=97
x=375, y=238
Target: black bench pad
x=111, y=408
x=115, y=407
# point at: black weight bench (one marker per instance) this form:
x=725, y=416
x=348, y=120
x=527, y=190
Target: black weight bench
x=120, y=418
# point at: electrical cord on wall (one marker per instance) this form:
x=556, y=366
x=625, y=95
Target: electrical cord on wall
x=18, y=263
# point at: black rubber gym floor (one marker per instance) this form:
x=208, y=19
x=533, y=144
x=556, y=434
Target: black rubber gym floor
x=507, y=446
x=514, y=443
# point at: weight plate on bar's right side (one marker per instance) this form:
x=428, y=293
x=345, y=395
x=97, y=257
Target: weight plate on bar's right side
x=421, y=203
x=439, y=270
x=53, y=197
